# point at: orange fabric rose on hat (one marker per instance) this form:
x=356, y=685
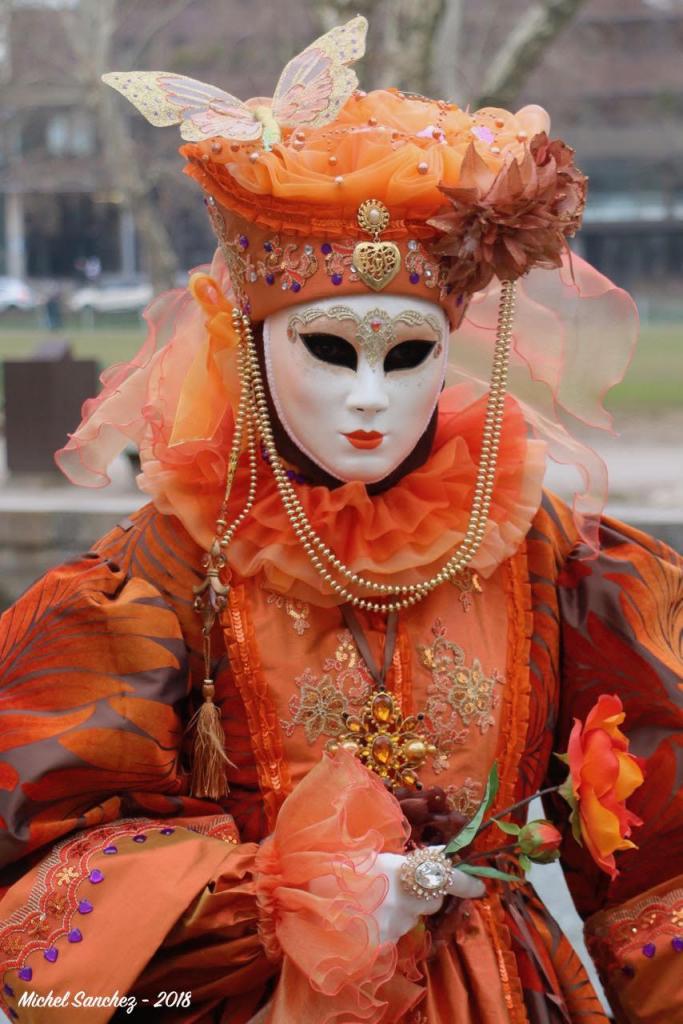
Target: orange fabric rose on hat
x=602, y=775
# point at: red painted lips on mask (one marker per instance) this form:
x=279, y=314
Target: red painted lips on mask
x=365, y=439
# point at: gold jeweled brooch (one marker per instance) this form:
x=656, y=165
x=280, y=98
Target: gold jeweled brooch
x=388, y=744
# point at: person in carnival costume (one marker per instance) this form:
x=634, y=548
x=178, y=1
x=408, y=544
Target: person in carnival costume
x=239, y=733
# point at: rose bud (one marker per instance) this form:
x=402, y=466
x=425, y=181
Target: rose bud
x=540, y=841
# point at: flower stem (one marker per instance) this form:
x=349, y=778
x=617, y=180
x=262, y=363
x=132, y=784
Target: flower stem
x=478, y=854
x=520, y=803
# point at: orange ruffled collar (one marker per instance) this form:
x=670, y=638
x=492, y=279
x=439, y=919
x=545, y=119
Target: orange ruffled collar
x=406, y=533
x=175, y=401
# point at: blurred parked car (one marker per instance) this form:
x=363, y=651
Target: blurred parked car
x=15, y=294
x=114, y=296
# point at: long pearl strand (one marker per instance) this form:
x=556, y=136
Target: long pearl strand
x=322, y=558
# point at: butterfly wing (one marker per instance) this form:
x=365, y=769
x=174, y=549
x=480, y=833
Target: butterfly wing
x=316, y=84
x=201, y=110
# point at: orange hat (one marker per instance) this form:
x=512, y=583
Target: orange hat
x=326, y=190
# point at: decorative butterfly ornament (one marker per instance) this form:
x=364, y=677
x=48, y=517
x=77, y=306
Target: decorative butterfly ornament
x=311, y=91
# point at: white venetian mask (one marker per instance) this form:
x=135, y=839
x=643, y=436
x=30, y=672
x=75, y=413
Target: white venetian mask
x=355, y=383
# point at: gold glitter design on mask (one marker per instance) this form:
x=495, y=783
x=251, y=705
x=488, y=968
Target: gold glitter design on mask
x=375, y=332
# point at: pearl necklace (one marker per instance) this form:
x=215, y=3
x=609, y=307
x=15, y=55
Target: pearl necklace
x=340, y=578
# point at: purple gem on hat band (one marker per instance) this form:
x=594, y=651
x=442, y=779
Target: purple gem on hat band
x=85, y=907
x=25, y=973
x=51, y=954
x=110, y=849
x=649, y=949
x=75, y=935
x=96, y=876
x=677, y=944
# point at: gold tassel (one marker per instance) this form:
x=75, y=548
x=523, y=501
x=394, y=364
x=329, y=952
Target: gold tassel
x=209, y=758
x=208, y=753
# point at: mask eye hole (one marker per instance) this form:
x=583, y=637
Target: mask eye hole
x=330, y=348
x=407, y=355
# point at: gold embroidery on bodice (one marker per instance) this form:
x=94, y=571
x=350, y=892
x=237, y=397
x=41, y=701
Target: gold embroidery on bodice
x=323, y=701
x=458, y=695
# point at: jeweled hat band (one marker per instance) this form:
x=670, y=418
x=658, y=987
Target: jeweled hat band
x=270, y=270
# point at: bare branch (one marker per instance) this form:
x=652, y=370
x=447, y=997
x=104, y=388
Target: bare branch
x=445, y=76
x=90, y=29
x=5, y=53
x=523, y=50
x=334, y=12
x=401, y=40
x=169, y=13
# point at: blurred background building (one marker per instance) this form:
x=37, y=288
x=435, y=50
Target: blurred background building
x=612, y=79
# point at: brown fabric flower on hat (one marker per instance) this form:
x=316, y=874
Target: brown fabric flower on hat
x=505, y=222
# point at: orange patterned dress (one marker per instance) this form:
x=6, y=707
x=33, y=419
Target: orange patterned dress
x=118, y=885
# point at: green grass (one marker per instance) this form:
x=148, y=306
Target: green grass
x=655, y=377
x=106, y=344
x=653, y=382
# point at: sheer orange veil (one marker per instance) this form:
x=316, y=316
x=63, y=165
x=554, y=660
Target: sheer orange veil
x=574, y=335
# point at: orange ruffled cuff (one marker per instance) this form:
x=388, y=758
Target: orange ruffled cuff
x=334, y=968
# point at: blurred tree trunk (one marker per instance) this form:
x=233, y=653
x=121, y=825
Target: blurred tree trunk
x=403, y=34
x=5, y=54
x=523, y=50
x=417, y=44
x=91, y=28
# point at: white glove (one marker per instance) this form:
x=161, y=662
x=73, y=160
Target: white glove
x=400, y=910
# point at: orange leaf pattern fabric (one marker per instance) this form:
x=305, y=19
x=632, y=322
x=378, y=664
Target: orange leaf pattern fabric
x=94, y=686
x=101, y=671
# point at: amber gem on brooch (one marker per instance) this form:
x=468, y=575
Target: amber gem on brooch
x=377, y=263
x=391, y=746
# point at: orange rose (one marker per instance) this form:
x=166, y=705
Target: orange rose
x=602, y=775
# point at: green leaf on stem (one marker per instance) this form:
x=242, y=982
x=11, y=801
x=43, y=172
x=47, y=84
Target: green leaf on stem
x=524, y=862
x=467, y=834
x=566, y=791
x=508, y=827
x=484, y=872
